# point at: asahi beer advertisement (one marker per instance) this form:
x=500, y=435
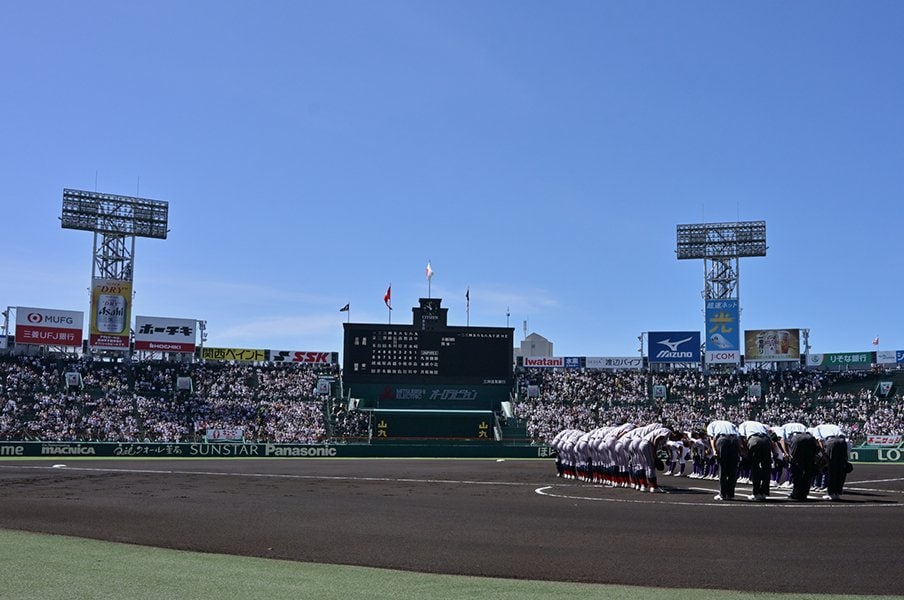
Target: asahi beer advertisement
x=164, y=334
x=48, y=327
x=111, y=307
x=723, y=336
x=772, y=345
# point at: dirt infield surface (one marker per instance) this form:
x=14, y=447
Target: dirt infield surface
x=509, y=518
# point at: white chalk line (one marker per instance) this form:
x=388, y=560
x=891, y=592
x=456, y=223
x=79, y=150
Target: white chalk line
x=771, y=501
x=274, y=475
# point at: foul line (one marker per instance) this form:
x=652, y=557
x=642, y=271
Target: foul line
x=272, y=475
x=770, y=501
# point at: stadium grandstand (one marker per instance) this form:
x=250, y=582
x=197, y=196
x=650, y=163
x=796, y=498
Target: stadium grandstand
x=75, y=398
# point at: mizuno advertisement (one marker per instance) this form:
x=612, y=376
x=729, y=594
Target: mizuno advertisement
x=673, y=346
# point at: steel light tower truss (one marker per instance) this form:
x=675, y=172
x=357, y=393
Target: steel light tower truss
x=721, y=245
x=115, y=221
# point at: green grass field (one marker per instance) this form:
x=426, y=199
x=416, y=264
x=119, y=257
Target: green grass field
x=35, y=566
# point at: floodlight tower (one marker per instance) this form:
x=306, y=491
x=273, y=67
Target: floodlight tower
x=721, y=245
x=115, y=221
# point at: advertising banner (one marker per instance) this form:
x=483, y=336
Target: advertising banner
x=614, y=362
x=884, y=357
x=840, y=359
x=225, y=434
x=236, y=354
x=883, y=440
x=544, y=362
x=162, y=334
x=48, y=327
x=111, y=309
x=772, y=345
x=304, y=357
x=723, y=334
x=572, y=362
x=673, y=346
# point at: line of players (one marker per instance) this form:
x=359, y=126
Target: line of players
x=790, y=455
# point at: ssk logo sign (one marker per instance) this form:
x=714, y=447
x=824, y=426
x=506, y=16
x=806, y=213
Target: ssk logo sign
x=300, y=356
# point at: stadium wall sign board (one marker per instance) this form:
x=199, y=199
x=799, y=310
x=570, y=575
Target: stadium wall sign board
x=673, y=346
x=165, y=334
x=885, y=357
x=840, y=359
x=263, y=450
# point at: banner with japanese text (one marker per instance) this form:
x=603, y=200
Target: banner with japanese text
x=49, y=327
x=723, y=335
x=163, y=334
x=111, y=309
x=841, y=359
x=236, y=354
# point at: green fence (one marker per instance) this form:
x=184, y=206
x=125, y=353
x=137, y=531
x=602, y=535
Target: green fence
x=263, y=450
x=476, y=449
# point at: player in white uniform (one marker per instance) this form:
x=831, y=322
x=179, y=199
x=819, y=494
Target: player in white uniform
x=650, y=443
x=618, y=458
x=699, y=447
x=637, y=461
x=597, y=453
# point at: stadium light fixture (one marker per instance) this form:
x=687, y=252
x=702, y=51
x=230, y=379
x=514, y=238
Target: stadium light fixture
x=722, y=240
x=115, y=215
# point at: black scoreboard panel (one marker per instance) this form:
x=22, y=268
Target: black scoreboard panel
x=402, y=353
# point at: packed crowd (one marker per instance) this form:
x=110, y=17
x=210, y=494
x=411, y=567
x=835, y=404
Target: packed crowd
x=126, y=402
x=551, y=401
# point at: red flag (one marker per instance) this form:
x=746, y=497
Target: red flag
x=388, y=297
x=876, y=341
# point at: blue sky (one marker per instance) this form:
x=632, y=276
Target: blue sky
x=540, y=154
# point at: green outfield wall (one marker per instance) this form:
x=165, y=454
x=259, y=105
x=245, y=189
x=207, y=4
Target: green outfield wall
x=263, y=450
x=12, y=449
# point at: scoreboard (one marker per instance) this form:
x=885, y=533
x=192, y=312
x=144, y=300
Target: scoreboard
x=428, y=365
x=478, y=355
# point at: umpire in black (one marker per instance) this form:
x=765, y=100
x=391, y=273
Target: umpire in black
x=835, y=446
x=757, y=443
x=804, y=450
x=725, y=444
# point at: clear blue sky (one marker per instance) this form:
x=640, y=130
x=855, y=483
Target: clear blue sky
x=539, y=153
